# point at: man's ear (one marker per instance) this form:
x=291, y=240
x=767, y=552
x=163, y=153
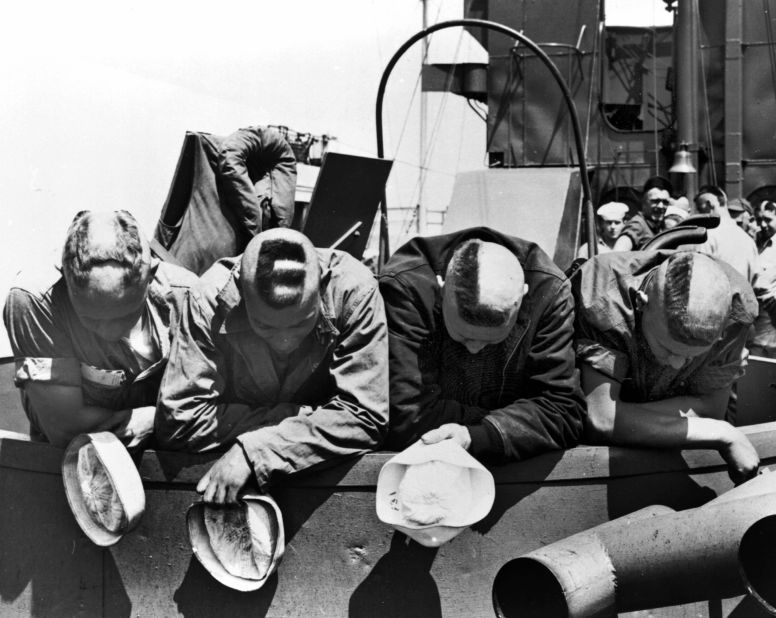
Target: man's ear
x=641, y=300
x=525, y=289
x=441, y=282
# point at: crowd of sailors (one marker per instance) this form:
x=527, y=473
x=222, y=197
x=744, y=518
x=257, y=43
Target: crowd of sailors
x=290, y=355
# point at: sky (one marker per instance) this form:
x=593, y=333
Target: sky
x=97, y=98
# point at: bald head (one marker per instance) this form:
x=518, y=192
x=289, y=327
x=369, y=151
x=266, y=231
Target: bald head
x=483, y=289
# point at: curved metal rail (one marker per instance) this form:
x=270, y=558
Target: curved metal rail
x=587, y=202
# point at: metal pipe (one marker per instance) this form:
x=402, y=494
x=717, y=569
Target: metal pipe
x=573, y=577
x=757, y=558
x=686, y=86
x=658, y=560
x=587, y=201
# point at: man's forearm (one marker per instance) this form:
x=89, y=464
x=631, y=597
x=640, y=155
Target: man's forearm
x=88, y=419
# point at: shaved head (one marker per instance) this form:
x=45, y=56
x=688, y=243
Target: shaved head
x=281, y=266
x=688, y=303
x=106, y=262
x=487, y=282
x=695, y=295
x=280, y=278
x=97, y=239
x=483, y=290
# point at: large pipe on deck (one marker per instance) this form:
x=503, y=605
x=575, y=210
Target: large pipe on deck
x=640, y=563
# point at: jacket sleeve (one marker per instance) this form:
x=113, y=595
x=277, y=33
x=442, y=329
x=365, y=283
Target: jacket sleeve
x=552, y=413
x=353, y=421
x=191, y=414
x=416, y=402
x=261, y=154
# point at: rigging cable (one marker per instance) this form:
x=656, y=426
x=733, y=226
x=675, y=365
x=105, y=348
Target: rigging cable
x=769, y=35
x=432, y=137
x=706, y=106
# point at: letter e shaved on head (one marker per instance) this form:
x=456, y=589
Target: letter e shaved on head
x=279, y=278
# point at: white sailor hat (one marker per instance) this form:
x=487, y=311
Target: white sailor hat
x=432, y=492
x=103, y=487
x=240, y=545
x=676, y=211
x=612, y=210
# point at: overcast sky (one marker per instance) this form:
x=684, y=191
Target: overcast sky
x=97, y=97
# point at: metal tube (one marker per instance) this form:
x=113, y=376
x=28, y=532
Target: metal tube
x=656, y=561
x=587, y=202
x=573, y=577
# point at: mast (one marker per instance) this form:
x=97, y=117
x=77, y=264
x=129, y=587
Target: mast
x=687, y=87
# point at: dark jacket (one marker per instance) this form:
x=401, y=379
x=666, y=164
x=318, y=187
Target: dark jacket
x=221, y=385
x=520, y=397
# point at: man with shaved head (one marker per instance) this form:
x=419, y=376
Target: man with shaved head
x=660, y=339
x=481, y=330
x=281, y=356
x=91, y=340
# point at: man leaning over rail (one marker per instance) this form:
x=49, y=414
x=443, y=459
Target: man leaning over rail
x=281, y=356
x=660, y=339
x=481, y=332
x=91, y=341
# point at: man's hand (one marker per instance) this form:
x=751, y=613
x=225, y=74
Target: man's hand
x=138, y=427
x=449, y=431
x=740, y=455
x=226, y=478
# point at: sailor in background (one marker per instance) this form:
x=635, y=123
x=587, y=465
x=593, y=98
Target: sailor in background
x=91, y=341
x=257, y=170
x=762, y=341
x=281, y=356
x=660, y=340
x=611, y=219
x=481, y=330
x=643, y=226
x=727, y=241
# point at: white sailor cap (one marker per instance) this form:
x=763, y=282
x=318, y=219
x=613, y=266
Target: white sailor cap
x=612, y=210
x=676, y=211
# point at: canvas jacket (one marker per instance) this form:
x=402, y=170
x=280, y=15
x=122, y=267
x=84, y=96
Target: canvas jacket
x=258, y=170
x=221, y=385
x=520, y=397
x=51, y=345
x=609, y=336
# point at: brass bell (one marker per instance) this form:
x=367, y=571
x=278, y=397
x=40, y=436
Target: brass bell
x=682, y=162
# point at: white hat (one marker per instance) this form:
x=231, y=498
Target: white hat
x=612, y=210
x=431, y=492
x=676, y=211
x=102, y=486
x=240, y=545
